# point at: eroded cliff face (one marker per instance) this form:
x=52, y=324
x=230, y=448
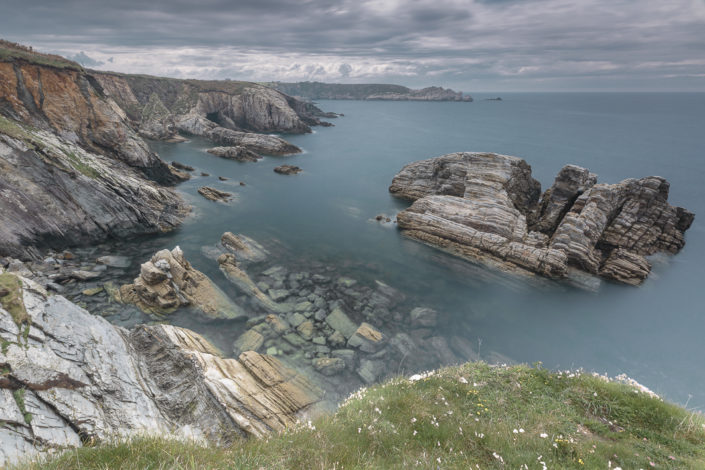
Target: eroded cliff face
x=65, y=102
x=486, y=207
x=230, y=113
x=73, y=169
x=54, y=193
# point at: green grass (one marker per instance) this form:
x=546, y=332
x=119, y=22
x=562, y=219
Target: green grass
x=81, y=167
x=459, y=417
x=11, y=128
x=10, y=51
x=11, y=298
x=19, y=399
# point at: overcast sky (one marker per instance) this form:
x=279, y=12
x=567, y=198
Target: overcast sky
x=470, y=45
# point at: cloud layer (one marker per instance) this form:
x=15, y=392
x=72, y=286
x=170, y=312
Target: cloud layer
x=469, y=44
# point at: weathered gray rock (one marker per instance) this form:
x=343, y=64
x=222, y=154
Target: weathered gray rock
x=245, y=248
x=571, y=182
x=370, y=370
x=57, y=194
x=213, y=194
x=239, y=153
x=83, y=379
x=341, y=323
x=625, y=267
x=287, y=170
x=240, y=278
x=485, y=207
x=168, y=281
x=329, y=365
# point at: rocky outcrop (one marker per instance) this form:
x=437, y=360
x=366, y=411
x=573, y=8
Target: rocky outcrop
x=66, y=103
x=287, y=170
x=57, y=194
x=229, y=113
x=196, y=124
x=68, y=378
x=213, y=194
x=486, y=207
x=73, y=169
x=239, y=153
x=168, y=281
x=341, y=91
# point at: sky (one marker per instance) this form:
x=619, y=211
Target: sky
x=468, y=45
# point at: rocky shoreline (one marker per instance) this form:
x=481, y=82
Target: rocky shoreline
x=75, y=167
x=334, y=331
x=487, y=207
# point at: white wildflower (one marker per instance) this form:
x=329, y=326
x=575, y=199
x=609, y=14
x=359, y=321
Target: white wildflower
x=543, y=435
x=463, y=380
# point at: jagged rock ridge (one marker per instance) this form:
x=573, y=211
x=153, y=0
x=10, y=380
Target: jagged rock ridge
x=487, y=207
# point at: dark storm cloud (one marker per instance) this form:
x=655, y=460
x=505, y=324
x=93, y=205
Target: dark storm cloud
x=505, y=43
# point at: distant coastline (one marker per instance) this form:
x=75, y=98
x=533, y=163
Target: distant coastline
x=367, y=91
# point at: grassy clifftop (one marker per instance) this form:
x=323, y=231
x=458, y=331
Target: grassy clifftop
x=471, y=416
x=10, y=51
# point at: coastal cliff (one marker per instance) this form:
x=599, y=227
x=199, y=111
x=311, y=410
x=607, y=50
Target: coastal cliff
x=488, y=208
x=228, y=112
x=73, y=170
x=75, y=166
x=341, y=91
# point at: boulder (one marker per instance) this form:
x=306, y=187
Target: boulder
x=367, y=338
x=341, y=323
x=329, y=365
x=168, y=281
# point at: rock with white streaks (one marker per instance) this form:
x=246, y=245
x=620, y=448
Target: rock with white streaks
x=69, y=377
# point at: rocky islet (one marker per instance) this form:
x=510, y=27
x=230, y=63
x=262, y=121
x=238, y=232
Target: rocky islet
x=487, y=207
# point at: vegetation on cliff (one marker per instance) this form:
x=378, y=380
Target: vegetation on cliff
x=471, y=416
x=13, y=51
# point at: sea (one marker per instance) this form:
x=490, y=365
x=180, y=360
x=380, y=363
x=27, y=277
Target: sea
x=326, y=216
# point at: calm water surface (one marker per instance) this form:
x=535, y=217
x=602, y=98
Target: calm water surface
x=654, y=333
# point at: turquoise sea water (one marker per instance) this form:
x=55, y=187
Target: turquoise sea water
x=654, y=333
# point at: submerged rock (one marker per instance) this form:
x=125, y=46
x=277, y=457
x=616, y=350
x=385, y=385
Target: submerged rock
x=486, y=207
x=213, y=194
x=287, y=170
x=168, y=281
x=245, y=248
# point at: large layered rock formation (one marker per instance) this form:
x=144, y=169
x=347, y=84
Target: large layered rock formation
x=68, y=377
x=230, y=113
x=168, y=281
x=73, y=170
x=367, y=91
x=487, y=207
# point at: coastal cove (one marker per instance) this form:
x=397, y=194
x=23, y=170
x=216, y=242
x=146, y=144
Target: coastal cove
x=325, y=217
